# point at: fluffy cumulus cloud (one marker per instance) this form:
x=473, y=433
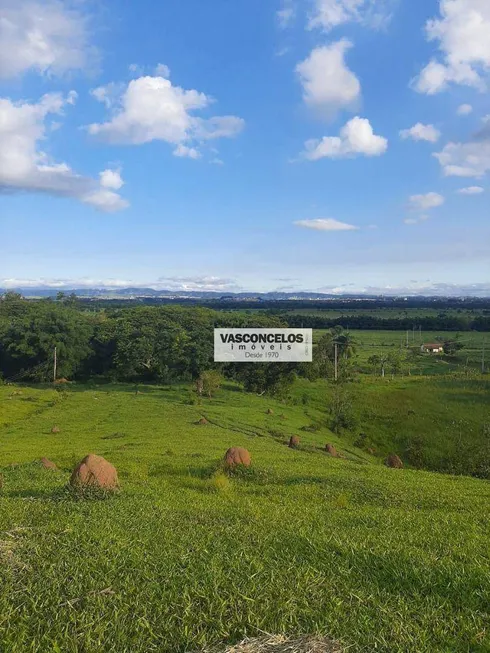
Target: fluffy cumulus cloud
x=328, y=84
x=46, y=36
x=465, y=110
x=325, y=224
x=152, y=108
x=470, y=159
x=356, y=138
x=461, y=34
x=24, y=166
x=471, y=190
x=420, y=132
x=111, y=179
x=327, y=14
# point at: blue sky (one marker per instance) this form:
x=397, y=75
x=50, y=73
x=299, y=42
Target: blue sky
x=292, y=144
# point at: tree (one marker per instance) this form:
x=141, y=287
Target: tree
x=324, y=355
x=395, y=363
x=342, y=411
x=274, y=379
x=29, y=340
x=452, y=346
x=346, y=343
x=211, y=382
x=379, y=362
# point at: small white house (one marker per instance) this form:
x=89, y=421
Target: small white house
x=432, y=348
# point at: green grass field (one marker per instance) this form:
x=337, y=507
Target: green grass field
x=378, y=559
x=371, y=342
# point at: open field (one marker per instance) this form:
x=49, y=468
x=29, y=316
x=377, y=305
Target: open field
x=371, y=342
x=376, y=559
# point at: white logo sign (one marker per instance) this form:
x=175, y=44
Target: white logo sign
x=263, y=345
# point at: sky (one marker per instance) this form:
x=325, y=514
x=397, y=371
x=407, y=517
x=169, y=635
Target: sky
x=325, y=145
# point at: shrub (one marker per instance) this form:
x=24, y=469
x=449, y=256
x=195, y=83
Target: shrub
x=211, y=381
x=219, y=482
x=342, y=412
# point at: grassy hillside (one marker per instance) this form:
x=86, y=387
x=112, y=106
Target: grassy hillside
x=378, y=559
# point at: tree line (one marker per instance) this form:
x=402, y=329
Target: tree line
x=440, y=322
x=138, y=344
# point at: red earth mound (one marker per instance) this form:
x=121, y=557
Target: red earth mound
x=329, y=448
x=48, y=464
x=96, y=472
x=394, y=461
x=294, y=441
x=237, y=456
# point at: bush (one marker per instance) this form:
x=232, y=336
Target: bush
x=210, y=381
x=342, y=412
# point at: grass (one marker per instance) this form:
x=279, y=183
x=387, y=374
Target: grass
x=371, y=342
x=184, y=559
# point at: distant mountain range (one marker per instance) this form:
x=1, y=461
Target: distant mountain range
x=151, y=293
x=135, y=293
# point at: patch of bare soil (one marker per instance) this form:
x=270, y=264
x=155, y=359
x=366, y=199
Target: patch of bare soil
x=282, y=644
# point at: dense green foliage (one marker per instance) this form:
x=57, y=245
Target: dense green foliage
x=394, y=561
x=441, y=322
x=144, y=344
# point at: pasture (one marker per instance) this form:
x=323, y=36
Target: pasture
x=185, y=557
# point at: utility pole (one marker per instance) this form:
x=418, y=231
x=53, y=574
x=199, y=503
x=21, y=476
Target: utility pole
x=54, y=366
x=336, y=362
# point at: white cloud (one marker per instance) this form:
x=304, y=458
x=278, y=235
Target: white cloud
x=356, y=138
x=286, y=14
x=470, y=159
x=42, y=282
x=204, y=283
x=414, y=288
x=152, y=108
x=184, y=151
x=25, y=167
x=420, y=132
x=162, y=70
x=105, y=200
x=462, y=36
x=72, y=97
x=109, y=94
x=328, y=84
x=135, y=69
x=111, y=179
x=325, y=224
x=327, y=14
x=417, y=220
x=471, y=190
x=426, y=202
x=46, y=36
x=464, y=110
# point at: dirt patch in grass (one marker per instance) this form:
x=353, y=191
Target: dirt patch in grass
x=9, y=550
x=282, y=644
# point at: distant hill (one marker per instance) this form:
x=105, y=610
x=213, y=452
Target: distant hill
x=137, y=293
